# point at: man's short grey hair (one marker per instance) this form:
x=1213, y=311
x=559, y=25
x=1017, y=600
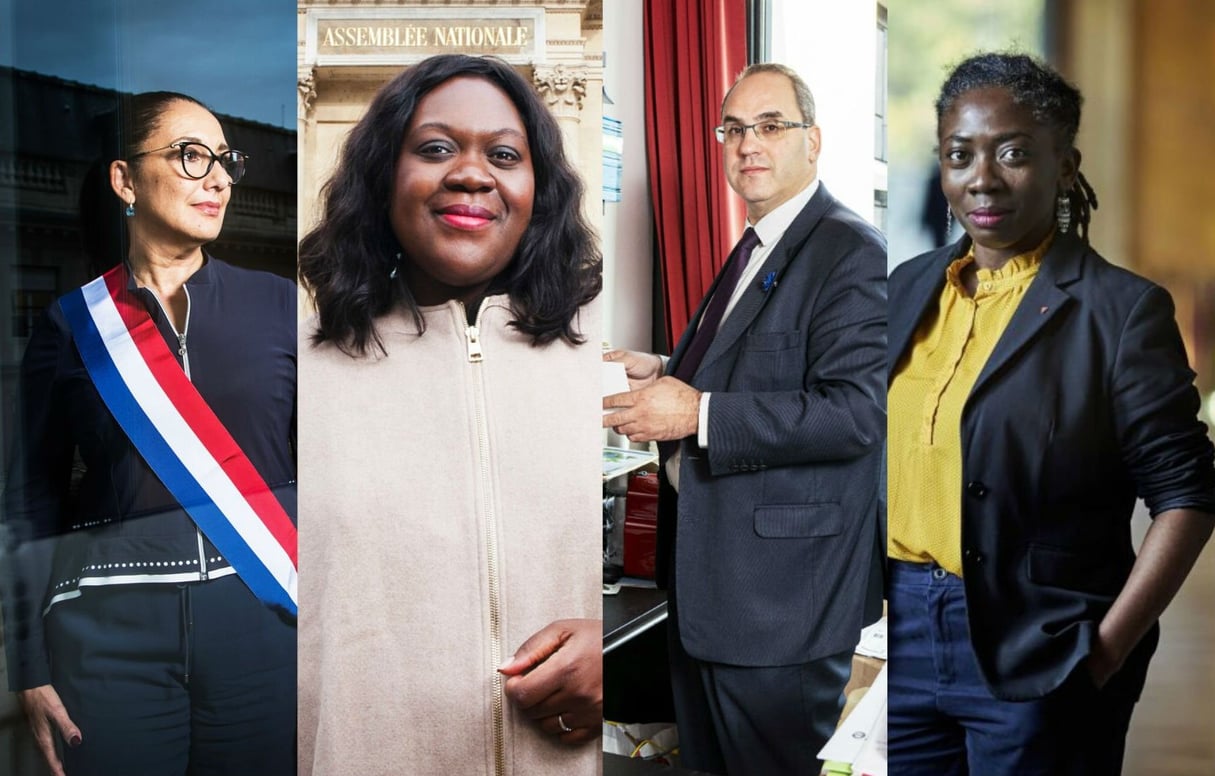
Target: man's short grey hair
x=805, y=100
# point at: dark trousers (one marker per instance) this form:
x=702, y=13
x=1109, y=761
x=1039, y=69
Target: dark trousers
x=739, y=720
x=944, y=720
x=167, y=680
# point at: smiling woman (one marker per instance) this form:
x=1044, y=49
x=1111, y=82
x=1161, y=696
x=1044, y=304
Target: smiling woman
x=464, y=191
x=449, y=443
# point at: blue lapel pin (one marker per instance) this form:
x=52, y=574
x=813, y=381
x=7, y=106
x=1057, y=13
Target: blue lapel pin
x=769, y=282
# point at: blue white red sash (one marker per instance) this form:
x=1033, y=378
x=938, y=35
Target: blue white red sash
x=180, y=437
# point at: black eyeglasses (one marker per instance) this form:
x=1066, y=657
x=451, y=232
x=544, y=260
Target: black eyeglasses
x=197, y=160
x=764, y=130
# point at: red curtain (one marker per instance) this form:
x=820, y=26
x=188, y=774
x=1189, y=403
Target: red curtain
x=693, y=51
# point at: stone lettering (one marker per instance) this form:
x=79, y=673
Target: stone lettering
x=422, y=37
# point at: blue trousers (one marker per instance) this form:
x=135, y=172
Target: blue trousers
x=175, y=680
x=944, y=720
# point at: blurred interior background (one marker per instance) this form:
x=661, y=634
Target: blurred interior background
x=1147, y=135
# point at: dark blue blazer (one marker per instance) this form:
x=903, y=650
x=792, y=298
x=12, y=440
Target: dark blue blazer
x=774, y=524
x=1086, y=403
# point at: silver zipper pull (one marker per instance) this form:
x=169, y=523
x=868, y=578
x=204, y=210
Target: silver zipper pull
x=474, y=344
x=181, y=344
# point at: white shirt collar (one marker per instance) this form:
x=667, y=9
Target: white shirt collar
x=772, y=226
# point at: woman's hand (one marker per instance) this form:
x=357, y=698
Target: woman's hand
x=556, y=678
x=642, y=369
x=1168, y=552
x=1103, y=662
x=42, y=708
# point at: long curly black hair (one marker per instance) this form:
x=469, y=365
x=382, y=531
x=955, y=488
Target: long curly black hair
x=346, y=260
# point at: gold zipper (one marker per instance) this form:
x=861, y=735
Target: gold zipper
x=472, y=336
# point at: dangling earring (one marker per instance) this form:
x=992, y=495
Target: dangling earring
x=396, y=266
x=130, y=211
x=1063, y=213
x=948, y=223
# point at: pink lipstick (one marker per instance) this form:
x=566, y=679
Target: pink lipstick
x=987, y=217
x=466, y=216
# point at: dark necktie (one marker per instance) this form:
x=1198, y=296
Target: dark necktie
x=711, y=320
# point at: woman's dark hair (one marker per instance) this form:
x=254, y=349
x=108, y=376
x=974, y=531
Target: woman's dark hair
x=1053, y=101
x=345, y=261
x=118, y=133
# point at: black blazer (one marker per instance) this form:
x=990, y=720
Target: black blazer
x=1086, y=402
x=774, y=525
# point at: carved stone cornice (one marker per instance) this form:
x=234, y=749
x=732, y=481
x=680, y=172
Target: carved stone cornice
x=562, y=88
x=306, y=83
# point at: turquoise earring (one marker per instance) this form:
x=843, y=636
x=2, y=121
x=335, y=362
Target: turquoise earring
x=130, y=211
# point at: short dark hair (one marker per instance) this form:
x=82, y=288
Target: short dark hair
x=118, y=134
x=346, y=259
x=1053, y=101
x=801, y=92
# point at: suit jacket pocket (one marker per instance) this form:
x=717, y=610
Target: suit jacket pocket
x=1087, y=572
x=769, y=361
x=798, y=520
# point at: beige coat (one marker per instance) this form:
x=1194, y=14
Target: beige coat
x=431, y=487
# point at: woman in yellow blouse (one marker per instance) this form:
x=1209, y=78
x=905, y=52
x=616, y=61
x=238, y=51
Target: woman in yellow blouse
x=1036, y=391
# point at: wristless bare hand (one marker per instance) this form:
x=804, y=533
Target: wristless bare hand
x=642, y=369
x=45, y=712
x=556, y=678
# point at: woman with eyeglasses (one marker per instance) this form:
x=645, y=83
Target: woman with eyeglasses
x=149, y=563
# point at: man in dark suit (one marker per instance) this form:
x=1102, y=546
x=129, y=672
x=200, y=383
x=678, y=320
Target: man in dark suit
x=771, y=412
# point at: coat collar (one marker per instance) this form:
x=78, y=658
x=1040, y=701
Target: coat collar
x=202, y=276
x=1045, y=299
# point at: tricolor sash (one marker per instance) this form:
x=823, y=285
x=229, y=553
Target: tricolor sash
x=179, y=436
